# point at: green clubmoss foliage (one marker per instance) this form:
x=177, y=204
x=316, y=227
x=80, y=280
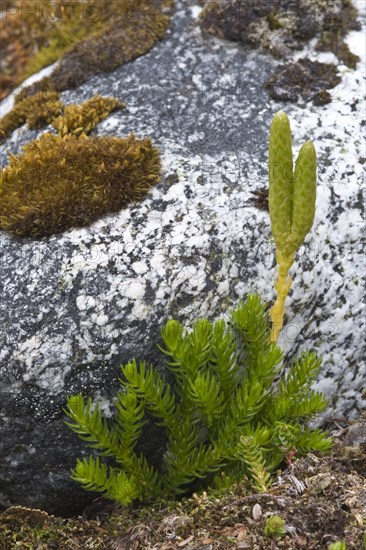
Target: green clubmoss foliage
x=81, y=119
x=224, y=417
x=36, y=111
x=64, y=182
x=292, y=197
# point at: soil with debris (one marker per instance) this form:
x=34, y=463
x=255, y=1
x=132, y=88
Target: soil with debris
x=321, y=499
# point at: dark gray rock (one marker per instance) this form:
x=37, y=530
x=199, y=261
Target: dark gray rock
x=74, y=307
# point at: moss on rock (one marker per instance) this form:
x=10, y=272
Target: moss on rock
x=323, y=97
x=305, y=79
x=47, y=108
x=36, y=111
x=125, y=40
x=87, y=37
x=281, y=27
x=335, y=28
x=53, y=25
x=81, y=119
x=63, y=182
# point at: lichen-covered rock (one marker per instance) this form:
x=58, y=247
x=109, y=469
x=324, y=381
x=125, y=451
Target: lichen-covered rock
x=75, y=306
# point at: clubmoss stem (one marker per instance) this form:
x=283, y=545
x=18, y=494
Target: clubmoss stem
x=282, y=286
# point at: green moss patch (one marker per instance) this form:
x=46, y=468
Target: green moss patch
x=125, y=40
x=53, y=25
x=63, y=182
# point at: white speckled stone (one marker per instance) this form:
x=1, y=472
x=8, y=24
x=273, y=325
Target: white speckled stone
x=73, y=307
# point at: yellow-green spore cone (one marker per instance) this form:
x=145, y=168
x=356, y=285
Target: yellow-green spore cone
x=280, y=178
x=291, y=204
x=304, y=194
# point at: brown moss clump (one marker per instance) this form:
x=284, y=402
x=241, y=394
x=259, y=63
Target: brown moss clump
x=123, y=42
x=34, y=34
x=280, y=27
x=323, y=97
x=329, y=43
x=335, y=29
x=304, y=80
x=81, y=119
x=60, y=183
x=43, y=85
x=36, y=111
x=259, y=199
x=89, y=37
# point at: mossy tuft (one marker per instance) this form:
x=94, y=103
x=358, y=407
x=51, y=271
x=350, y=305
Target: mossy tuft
x=36, y=111
x=47, y=108
x=63, y=182
x=81, y=119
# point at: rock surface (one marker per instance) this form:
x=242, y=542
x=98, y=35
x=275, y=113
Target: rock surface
x=76, y=306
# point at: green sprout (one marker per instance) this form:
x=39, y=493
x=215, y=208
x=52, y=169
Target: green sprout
x=337, y=546
x=291, y=205
x=275, y=527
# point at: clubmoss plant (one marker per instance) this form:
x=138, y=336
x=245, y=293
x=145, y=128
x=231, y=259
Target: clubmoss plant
x=64, y=182
x=223, y=417
x=291, y=205
x=275, y=527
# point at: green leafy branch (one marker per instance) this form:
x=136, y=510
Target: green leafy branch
x=224, y=416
